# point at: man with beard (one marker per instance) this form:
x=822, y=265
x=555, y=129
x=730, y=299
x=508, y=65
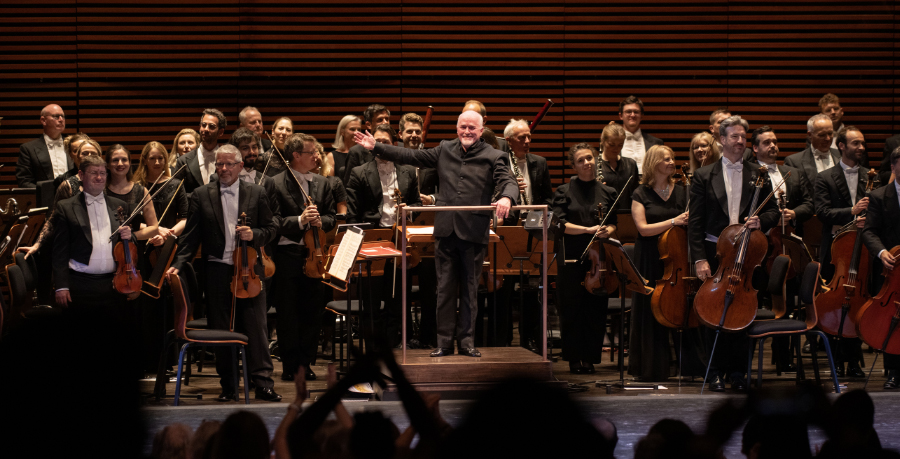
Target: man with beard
x=201, y=161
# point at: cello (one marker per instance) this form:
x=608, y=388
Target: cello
x=878, y=318
x=849, y=288
x=127, y=279
x=673, y=297
x=727, y=299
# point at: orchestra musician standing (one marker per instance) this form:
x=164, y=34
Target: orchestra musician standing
x=582, y=314
x=840, y=196
x=637, y=142
x=881, y=234
x=298, y=296
x=201, y=161
x=819, y=155
x=720, y=196
x=705, y=149
x=657, y=205
x=372, y=200
x=616, y=170
x=44, y=158
x=469, y=172
x=212, y=223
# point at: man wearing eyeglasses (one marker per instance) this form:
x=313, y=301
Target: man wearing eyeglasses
x=637, y=142
x=200, y=162
x=213, y=223
x=44, y=158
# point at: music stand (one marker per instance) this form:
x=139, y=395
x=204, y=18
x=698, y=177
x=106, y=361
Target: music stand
x=629, y=279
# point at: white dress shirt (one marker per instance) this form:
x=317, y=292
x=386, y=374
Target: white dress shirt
x=249, y=176
x=229, y=197
x=59, y=161
x=102, y=261
x=823, y=159
x=733, y=175
x=304, y=180
x=523, y=168
x=207, y=161
x=634, y=148
x=387, y=175
x=775, y=176
x=852, y=176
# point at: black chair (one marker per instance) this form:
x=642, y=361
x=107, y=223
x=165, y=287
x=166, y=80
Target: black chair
x=22, y=281
x=790, y=327
x=209, y=338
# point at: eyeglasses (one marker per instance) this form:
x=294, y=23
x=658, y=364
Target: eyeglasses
x=57, y=117
x=314, y=152
x=212, y=126
x=228, y=164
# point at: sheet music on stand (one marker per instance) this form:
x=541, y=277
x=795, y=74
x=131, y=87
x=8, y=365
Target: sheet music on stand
x=343, y=260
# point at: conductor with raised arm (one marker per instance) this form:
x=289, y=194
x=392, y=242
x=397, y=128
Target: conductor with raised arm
x=469, y=170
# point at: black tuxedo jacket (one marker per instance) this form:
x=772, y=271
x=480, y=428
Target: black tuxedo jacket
x=72, y=234
x=206, y=224
x=832, y=198
x=364, y=190
x=292, y=203
x=268, y=184
x=541, y=188
x=709, y=205
x=882, y=231
x=806, y=162
x=884, y=171
x=357, y=156
x=34, y=163
x=798, y=198
x=428, y=181
x=467, y=178
x=191, y=175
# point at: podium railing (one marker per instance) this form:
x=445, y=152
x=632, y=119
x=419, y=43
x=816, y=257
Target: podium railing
x=403, y=243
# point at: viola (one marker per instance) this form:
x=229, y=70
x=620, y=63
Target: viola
x=673, y=295
x=600, y=280
x=245, y=283
x=127, y=279
x=268, y=264
x=878, y=318
x=727, y=299
x=314, y=239
x=839, y=307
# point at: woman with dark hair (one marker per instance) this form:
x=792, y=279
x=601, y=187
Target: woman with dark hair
x=583, y=314
x=657, y=205
x=119, y=185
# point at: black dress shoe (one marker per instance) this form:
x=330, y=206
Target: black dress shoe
x=892, y=382
x=227, y=395
x=738, y=383
x=531, y=345
x=287, y=376
x=717, y=385
x=310, y=376
x=839, y=369
x=855, y=372
x=267, y=394
x=588, y=367
x=470, y=351
x=441, y=352
x=576, y=369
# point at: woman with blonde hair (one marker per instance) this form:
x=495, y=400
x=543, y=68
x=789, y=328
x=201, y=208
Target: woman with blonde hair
x=613, y=169
x=657, y=205
x=185, y=141
x=152, y=166
x=338, y=191
x=282, y=128
x=704, y=151
x=343, y=142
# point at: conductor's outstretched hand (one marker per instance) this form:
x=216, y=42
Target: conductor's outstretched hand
x=365, y=140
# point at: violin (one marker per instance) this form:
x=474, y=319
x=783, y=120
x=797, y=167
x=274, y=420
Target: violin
x=727, y=299
x=600, y=280
x=849, y=288
x=673, y=296
x=878, y=318
x=777, y=236
x=245, y=283
x=127, y=279
x=268, y=263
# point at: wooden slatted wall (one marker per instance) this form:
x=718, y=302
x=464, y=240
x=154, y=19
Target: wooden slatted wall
x=136, y=73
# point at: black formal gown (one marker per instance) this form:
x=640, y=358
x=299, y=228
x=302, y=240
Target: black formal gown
x=649, y=353
x=583, y=315
x=626, y=168
x=340, y=164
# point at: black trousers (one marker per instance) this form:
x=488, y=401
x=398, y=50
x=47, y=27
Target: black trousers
x=249, y=319
x=299, y=305
x=582, y=314
x=95, y=292
x=730, y=354
x=458, y=263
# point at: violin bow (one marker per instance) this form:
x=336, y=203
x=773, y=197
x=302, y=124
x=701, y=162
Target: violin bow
x=171, y=200
x=758, y=208
x=612, y=208
x=280, y=155
x=145, y=200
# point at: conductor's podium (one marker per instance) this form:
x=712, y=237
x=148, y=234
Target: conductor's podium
x=463, y=377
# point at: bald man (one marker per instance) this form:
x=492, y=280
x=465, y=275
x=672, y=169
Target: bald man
x=44, y=158
x=469, y=171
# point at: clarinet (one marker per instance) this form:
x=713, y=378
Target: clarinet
x=523, y=195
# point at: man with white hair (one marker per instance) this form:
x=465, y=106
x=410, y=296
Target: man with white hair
x=213, y=223
x=44, y=158
x=251, y=118
x=469, y=171
x=819, y=155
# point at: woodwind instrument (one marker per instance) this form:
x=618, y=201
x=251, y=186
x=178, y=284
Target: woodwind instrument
x=540, y=115
x=426, y=125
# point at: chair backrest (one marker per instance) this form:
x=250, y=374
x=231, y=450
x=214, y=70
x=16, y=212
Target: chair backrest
x=777, y=284
x=18, y=294
x=27, y=272
x=808, y=285
x=181, y=306
x=36, y=218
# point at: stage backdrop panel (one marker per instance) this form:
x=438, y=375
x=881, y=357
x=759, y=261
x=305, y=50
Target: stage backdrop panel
x=134, y=73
